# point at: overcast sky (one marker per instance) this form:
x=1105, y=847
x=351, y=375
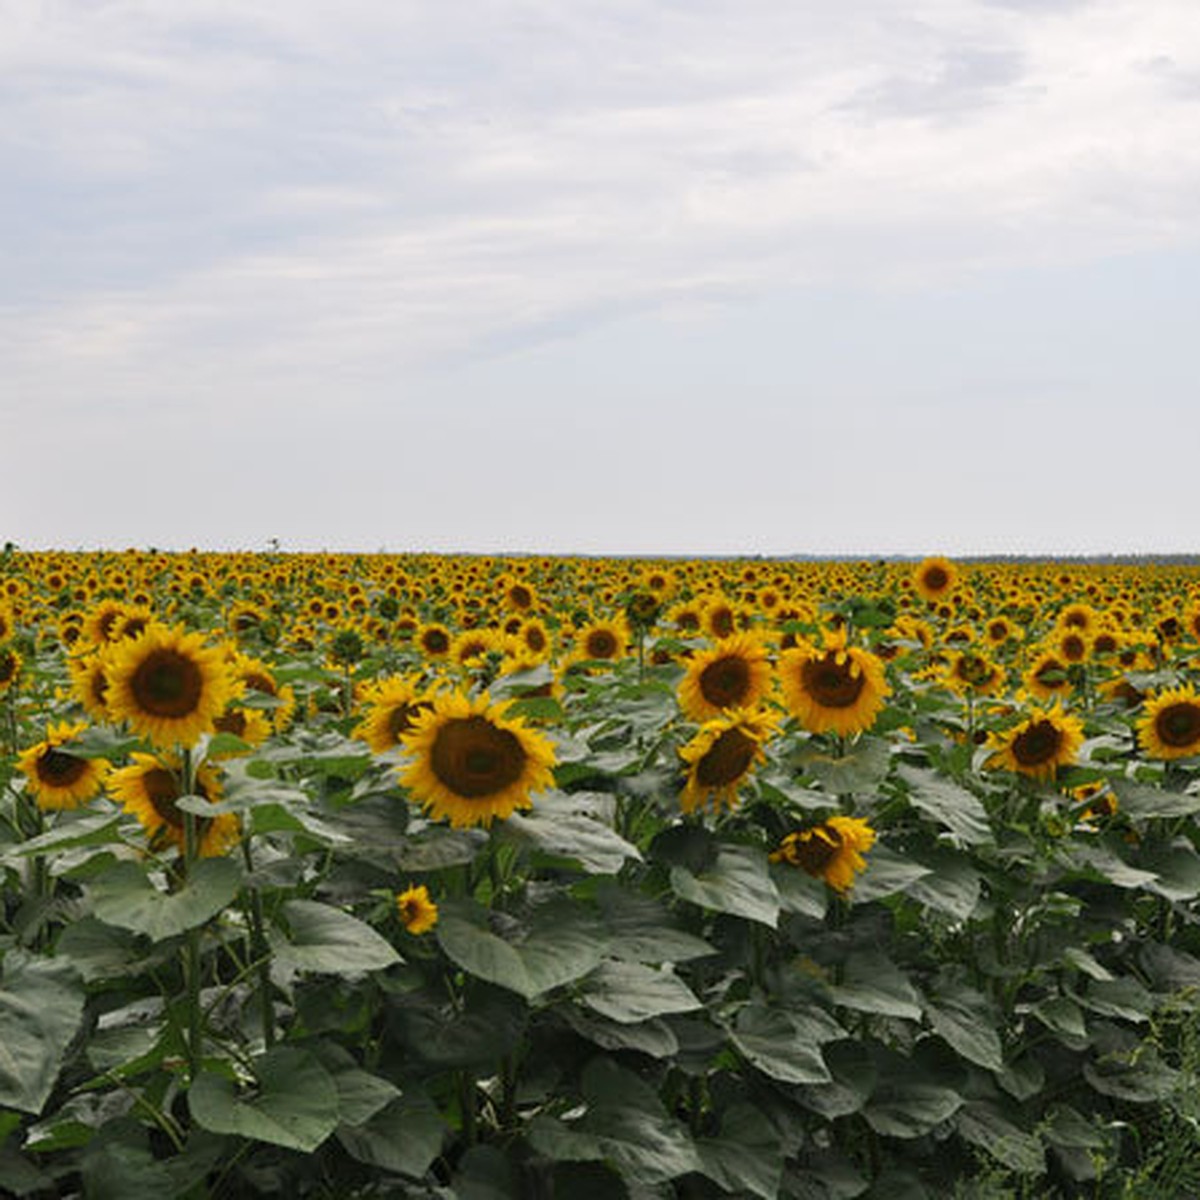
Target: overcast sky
x=615, y=276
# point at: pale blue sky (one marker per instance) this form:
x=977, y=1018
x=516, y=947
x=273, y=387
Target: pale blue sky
x=601, y=276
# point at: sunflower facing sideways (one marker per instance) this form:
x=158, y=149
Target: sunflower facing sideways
x=56, y=777
x=838, y=688
x=1047, y=739
x=735, y=673
x=832, y=851
x=149, y=789
x=721, y=756
x=394, y=705
x=470, y=764
x=167, y=685
x=1170, y=727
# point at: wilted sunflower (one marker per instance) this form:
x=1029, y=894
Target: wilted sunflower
x=471, y=764
x=832, y=851
x=837, y=689
x=1046, y=740
x=735, y=673
x=394, y=706
x=417, y=910
x=56, y=777
x=935, y=578
x=149, y=789
x=721, y=756
x=1170, y=727
x=168, y=685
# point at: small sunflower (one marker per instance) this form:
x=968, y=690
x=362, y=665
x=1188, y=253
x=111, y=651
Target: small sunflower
x=839, y=689
x=394, y=706
x=1046, y=740
x=247, y=724
x=56, y=777
x=832, y=851
x=935, y=578
x=735, y=673
x=974, y=674
x=1170, y=727
x=1048, y=677
x=149, y=789
x=471, y=764
x=602, y=641
x=721, y=756
x=418, y=912
x=435, y=640
x=168, y=685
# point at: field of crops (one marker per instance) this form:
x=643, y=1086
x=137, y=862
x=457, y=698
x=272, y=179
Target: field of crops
x=500, y=879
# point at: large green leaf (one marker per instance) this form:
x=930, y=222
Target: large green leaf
x=468, y=942
x=960, y=811
x=853, y=1080
x=738, y=883
x=862, y=769
x=909, y=1109
x=952, y=887
x=405, y=1137
x=984, y=1125
x=968, y=1021
x=124, y=896
x=562, y=827
x=294, y=1101
x=41, y=1006
x=781, y=1046
x=746, y=1158
x=887, y=873
x=653, y=1037
x=1143, y=802
x=873, y=983
x=331, y=942
x=640, y=929
x=630, y=992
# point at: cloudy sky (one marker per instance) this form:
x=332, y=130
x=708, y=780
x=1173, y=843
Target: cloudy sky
x=641, y=276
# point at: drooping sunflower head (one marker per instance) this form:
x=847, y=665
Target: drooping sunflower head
x=55, y=776
x=150, y=789
x=168, y=685
x=935, y=578
x=1170, y=726
x=832, y=851
x=394, y=706
x=838, y=689
x=470, y=764
x=735, y=673
x=1047, y=739
x=721, y=756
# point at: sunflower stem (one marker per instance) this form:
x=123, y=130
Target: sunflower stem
x=191, y=949
x=259, y=950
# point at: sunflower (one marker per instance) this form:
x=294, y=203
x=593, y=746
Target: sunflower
x=832, y=851
x=1046, y=740
x=1048, y=677
x=10, y=667
x=973, y=673
x=168, y=685
x=394, y=706
x=470, y=764
x=434, y=640
x=935, y=578
x=247, y=724
x=100, y=624
x=55, y=776
x=417, y=910
x=735, y=673
x=255, y=676
x=7, y=624
x=1170, y=727
x=838, y=688
x=149, y=789
x=721, y=756
x=602, y=641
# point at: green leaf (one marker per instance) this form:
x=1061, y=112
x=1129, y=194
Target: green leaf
x=41, y=1006
x=331, y=942
x=639, y=929
x=863, y=769
x=630, y=992
x=360, y=1094
x=438, y=847
x=101, y=951
x=968, y=1021
x=1063, y=1016
x=1141, y=802
x=746, y=1159
x=1125, y=998
x=405, y=1137
x=652, y=1037
x=853, y=1080
x=125, y=897
x=887, y=873
x=1178, y=871
x=799, y=892
x=554, y=830
x=952, y=887
x=960, y=811
x=910, y=1108
x=480, y=952
x=96, y=829
x=872, y=983
x=738, y=883
x=1140, y=1080
x=982, y=1124
x=780, y=1046
x=294, y=1103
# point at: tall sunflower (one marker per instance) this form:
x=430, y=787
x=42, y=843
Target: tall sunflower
x=838, y=688
x=721, y=756
x=56, y=777
x=168, y=685
x=149, y=788
x=832, y=851
x=470, y=764
x=735, y=673
x=1170, y=726
x=1046, y=740
x=935, y=578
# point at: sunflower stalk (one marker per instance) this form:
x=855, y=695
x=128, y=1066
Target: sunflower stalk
x=191, y=948
x=259, y=949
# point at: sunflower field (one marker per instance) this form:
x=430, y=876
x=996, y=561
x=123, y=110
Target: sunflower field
x=487, y=878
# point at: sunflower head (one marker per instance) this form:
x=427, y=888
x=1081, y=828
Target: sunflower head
x=394, y=706
x=418, y=912
x=57, y=777
x=10, y=667
x=1046, y=740
x=721, y=756
x=470, y=764
x=837, y=688
x=832, y=851
x=1170, y=726
x=735, y=673
x=935, y=578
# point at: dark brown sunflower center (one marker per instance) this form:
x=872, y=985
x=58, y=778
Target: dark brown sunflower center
x=1105, y=643
x=688, y=620
x=1178, y=725
x=472, y=758
x=8, y=665
x=162, y=791
x=720, y=621
x=815, y=850
x=57, y=768
x=259, y=683
x=167, y=684
x=936, y=578
x=435, y=642
x=830, y=683
x=974, y=670
x=520, y=596
x=997, y=631
x=727, y=760
x=1051, y=673
x=401, y=718
x=601, y=643
x=233, y=722
x=1074, y=648
x=535, y=639
x=725, y=682
x=1037, y=745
